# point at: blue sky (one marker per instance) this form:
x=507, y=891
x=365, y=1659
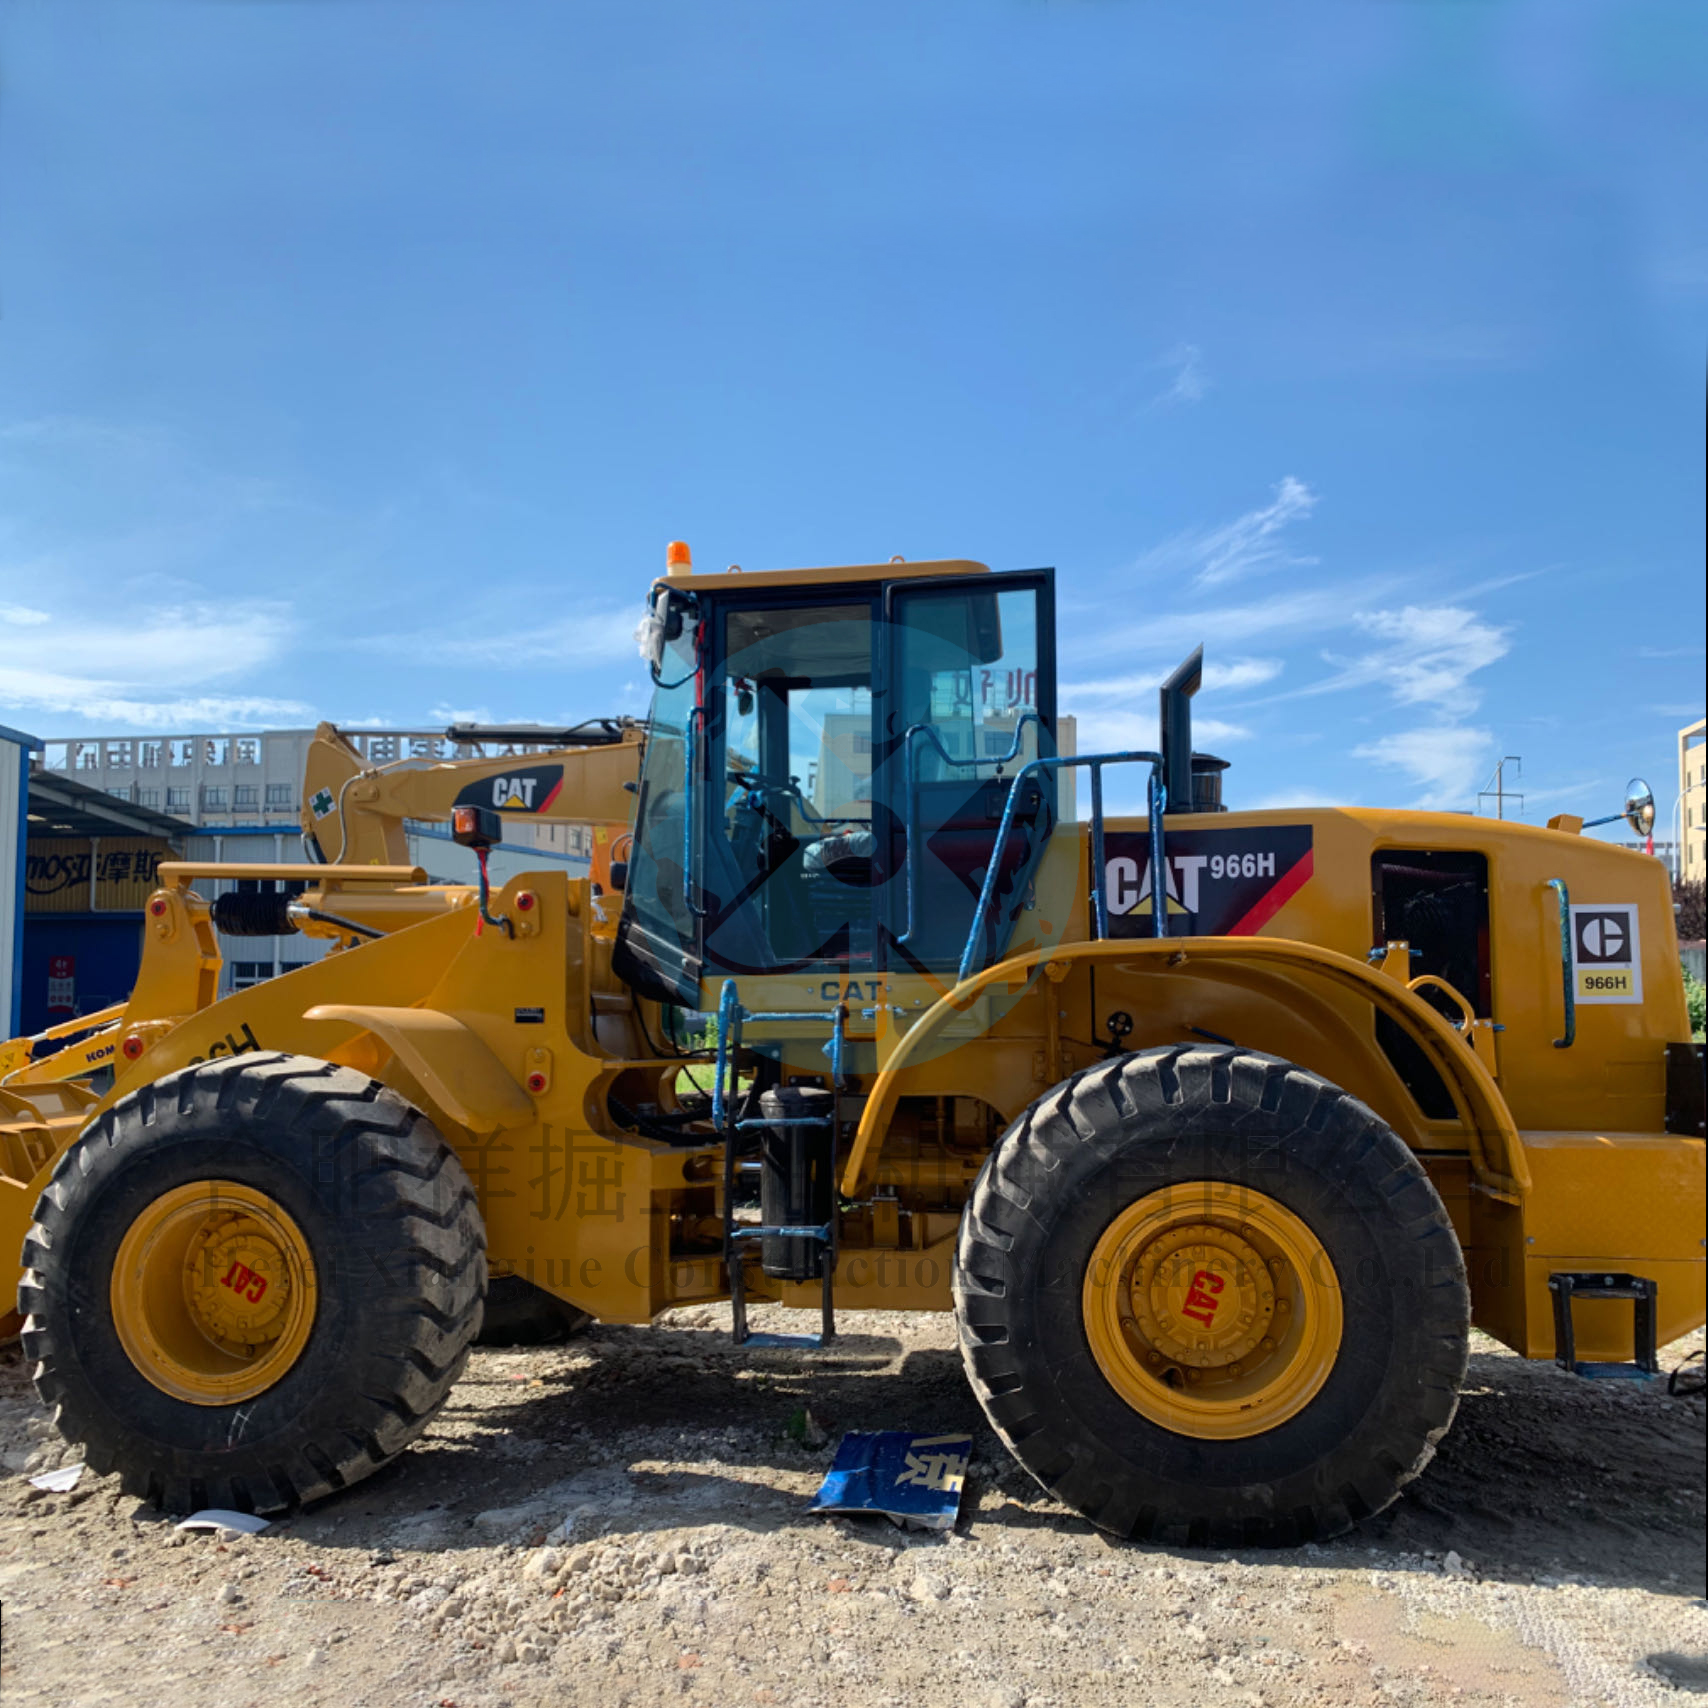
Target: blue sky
x=358, y=360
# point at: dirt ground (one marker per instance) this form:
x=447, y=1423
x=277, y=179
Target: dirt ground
x=620, y=1521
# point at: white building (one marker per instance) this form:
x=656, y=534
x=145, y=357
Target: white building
x=1692, y=805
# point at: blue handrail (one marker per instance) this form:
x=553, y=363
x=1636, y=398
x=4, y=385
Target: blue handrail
x=732, y=1017
x=1157, y=799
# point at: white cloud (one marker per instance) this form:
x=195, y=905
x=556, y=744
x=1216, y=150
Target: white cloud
x=1429, y=654
x=1120, y=730
x=24, y=616
x=1446, y=761
x=1230, y=677
x=1245, y=546
x=144, y=675
x=1300, y=612
x=1190, y=382
x=606, y=635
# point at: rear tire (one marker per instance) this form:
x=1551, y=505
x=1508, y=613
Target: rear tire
x=1250, y=1147
x=377, y=1246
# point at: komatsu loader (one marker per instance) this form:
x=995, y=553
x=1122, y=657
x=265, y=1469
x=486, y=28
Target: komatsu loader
x=1217, y=1130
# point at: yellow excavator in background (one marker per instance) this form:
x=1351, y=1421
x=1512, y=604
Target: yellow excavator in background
x=354, y=813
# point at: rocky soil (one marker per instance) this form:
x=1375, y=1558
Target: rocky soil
x=620, y=1521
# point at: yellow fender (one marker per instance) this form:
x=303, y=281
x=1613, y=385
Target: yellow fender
x=1482, y=1109
x=452, y=1064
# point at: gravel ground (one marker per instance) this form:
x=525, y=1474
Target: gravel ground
x=620, y=1521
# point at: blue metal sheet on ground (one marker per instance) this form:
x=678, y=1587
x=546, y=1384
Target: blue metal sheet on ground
x=914, y=1479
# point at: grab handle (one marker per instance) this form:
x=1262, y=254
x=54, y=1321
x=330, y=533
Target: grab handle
x=1557, y=885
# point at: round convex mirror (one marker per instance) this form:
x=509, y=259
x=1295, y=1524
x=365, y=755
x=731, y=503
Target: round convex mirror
x=1639, y=806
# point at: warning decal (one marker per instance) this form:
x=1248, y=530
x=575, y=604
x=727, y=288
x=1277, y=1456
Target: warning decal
x=1607, y=964
x=1221, y=883
x=529, y=788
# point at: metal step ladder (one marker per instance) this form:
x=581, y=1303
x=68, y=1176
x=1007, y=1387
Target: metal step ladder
x=732, y=1017
x=1568, y=1286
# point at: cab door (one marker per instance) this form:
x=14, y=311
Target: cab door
x=969, y=698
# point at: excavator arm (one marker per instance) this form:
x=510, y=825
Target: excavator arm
x=353, y=813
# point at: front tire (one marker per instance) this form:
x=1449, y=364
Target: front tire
x=252, y=1283
x=1207, y=1297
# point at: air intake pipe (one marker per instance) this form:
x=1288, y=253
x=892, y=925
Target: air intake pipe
x=1176, y=730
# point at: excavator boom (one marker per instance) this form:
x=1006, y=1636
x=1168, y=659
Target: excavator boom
x=353, y=813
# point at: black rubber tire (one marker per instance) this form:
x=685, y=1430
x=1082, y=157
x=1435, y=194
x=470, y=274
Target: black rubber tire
x=520, y=1314
x=398, y=1246
x=1110, y=1135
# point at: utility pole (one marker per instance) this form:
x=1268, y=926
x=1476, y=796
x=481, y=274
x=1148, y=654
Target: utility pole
x=1496, y=788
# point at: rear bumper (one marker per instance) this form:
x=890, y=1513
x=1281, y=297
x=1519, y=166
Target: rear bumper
x=1633, y=1202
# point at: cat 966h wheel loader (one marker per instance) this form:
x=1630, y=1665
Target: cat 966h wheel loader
x=1217, y=1130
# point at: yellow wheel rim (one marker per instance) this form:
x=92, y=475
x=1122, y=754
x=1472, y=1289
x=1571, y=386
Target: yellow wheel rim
x=214, y=1292
x=1212, y=1310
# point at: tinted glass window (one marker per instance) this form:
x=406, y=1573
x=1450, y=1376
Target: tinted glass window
x=1438, y=902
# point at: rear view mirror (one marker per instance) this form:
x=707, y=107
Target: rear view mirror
x=1639, y=806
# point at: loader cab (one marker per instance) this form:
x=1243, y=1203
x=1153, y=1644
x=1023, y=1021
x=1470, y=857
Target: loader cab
x=826, y=767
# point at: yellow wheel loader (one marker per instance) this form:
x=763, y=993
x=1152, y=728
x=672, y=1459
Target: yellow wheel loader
x=1217, y=1130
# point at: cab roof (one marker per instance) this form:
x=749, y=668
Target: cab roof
x=741, y=579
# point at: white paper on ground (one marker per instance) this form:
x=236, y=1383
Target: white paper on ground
x=58, y=1482
x=218, y=1518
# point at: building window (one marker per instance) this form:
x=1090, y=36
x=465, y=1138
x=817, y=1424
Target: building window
x=148, y=798
x=119, y=794
x=382, y=749
x=181, y=751
x=248, y=750
x=150, y=755
x=245, y=795
x=279, y=797
x=88, y=759
x=245, y=974
x=177, y=800
x=118, y=755
x=213, y=798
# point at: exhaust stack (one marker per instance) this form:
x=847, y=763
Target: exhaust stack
x=1176, y=731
